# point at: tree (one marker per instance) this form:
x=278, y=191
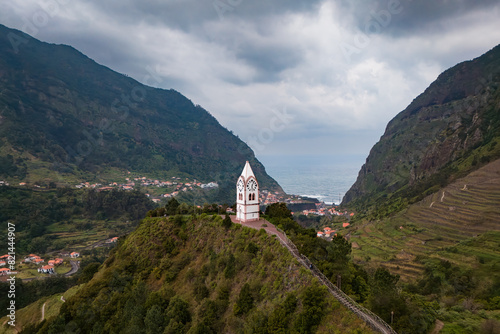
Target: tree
x=277, y=321
x=278, y=210
x=245, y=301
x=227, y=222
x=154, y=320
x=172, y=206
x=339, y=250
x=313, y=310
x=230, y=269
x=178, y=311
x=385, y=297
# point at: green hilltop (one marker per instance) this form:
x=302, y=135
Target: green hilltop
x=186, y=274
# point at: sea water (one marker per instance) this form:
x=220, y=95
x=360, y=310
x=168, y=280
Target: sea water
x=326, y=178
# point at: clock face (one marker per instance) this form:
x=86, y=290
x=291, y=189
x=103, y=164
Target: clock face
x=240, y=185
x=252, y=185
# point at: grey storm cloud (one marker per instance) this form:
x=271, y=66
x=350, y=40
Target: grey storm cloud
x=190, y=15
x=412, y=17
x=341, y=69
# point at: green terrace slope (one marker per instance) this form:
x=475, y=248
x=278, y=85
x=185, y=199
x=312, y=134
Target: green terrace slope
x=460, y=224
x=63, y=117
x=187, y=274
x=448, y=131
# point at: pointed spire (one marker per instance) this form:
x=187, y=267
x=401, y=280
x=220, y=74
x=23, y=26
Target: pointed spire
x=247, y=171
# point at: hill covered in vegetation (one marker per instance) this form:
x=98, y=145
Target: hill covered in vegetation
x=66, y=119
x=193, y=274
x=64, y=219
x=450, y=130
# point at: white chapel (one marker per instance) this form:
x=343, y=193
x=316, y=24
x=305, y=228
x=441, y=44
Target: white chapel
x=247, y=196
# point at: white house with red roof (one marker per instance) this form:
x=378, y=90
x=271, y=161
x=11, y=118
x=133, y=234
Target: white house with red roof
x=31, y=258
x=4, y=271
x=74, y=254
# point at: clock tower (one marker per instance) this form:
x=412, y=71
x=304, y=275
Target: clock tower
x=247, y=196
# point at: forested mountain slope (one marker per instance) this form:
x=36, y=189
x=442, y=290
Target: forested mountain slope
x=65, y=117
x=448, y=131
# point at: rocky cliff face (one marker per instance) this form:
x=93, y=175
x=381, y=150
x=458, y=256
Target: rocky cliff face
x=449, y=130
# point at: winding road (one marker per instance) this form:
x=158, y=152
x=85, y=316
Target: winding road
x=75, y=265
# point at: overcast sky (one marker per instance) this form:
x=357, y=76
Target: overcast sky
x=286, y=76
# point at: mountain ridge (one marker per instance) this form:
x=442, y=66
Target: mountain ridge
x=429, y=143
x=63, y=115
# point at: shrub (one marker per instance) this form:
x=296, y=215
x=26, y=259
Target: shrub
x=245, y=301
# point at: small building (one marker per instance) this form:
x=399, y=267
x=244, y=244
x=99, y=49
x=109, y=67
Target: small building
x=319, y=234
x=55, y=262
x=46, y=269
x=38, y=261
x=2, y=263
x=74, y=254
x=4, y=271
x=31, y=258
x=112, y=240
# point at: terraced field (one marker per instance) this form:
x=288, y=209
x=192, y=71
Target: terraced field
x=460, y=223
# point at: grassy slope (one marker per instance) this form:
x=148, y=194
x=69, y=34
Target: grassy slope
x=203, y=247
x=463, y=227
x=32, y=313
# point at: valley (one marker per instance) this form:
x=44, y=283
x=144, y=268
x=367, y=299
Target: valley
x=145, y=185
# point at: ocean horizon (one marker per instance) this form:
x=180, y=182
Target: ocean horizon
x=326, y=178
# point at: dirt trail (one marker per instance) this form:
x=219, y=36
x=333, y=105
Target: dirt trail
x=43, y=311
x=438, y=327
